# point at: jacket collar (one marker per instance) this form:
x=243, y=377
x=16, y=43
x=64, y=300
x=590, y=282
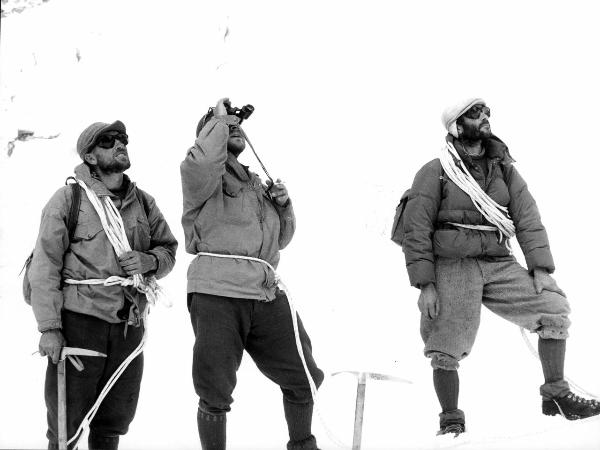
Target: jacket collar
x=495, y=148
x=82, y=172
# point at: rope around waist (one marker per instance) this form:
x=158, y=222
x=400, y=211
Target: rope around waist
x=247, y=258
x=147, y=286
x=474, y=227
x=484, y=228
x=110, y=281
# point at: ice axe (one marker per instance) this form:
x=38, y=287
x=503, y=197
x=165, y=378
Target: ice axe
x=360, y=399
x=72, y=354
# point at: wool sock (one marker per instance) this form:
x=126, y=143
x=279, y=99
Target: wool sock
x=299, y=419
x=212, y=430
x=96, y=442
x=446, y=386
x=552, y=356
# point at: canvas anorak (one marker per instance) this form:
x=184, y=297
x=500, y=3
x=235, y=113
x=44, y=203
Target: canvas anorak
x=90, y=255
x=226, y=210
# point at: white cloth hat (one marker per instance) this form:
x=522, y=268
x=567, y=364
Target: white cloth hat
x=453, y=112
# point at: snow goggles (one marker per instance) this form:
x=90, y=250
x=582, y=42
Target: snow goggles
x=108, y=140
x=475, y=111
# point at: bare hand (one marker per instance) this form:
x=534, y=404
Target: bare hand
x=543, y=281
x=428, y=302
x=278, y=192
x=135, y=262
x=51, y=344
x=220, y=109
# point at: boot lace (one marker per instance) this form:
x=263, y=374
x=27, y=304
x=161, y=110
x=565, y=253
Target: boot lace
x=588, y=402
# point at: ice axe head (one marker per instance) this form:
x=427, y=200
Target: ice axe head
x=373, y=376
x=72, y=354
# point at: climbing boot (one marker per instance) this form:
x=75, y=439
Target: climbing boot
x=571, y=407
x=453, y=428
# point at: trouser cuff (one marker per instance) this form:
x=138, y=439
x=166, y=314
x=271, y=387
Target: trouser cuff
x=555, y=389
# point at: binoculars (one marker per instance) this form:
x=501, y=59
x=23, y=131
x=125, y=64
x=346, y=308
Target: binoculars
x=243, y=113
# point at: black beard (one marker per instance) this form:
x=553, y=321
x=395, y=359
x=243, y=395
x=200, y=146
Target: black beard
x=114, y=167
x=235, y=150
x=472, y=134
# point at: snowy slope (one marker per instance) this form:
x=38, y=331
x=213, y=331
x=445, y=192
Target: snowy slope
x=347, y=97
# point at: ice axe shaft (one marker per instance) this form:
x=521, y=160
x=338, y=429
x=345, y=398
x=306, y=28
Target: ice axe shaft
x=62, y=405
x=62, y=389
x=359, y=410
x=360, y=399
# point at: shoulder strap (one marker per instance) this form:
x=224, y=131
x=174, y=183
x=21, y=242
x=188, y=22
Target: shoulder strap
x=143, y=201
x=74, y=210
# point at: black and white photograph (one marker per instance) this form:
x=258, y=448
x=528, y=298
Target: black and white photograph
x=299, y=225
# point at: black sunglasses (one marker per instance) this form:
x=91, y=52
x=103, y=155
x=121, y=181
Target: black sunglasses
x=475, y=111
x=108, y=140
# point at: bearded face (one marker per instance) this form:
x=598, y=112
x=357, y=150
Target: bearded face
x=235, y=142
x=110, y=159
x=474, y=125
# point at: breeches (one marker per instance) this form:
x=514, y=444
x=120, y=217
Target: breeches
x=503, y=286
x=224, y=327
x=118, y=408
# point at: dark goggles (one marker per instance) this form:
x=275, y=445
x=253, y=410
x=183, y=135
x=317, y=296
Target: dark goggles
x=474, y=112
x=108, y=140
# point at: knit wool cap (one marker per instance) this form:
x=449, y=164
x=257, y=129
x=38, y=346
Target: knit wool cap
x=88, y=137
x=453, y=112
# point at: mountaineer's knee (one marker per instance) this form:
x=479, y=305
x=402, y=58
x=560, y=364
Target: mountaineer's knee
x=443, y=361
x=553, y=326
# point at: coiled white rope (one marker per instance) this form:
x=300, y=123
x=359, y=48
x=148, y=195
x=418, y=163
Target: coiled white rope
x=115, y=231
x=494, y=213
x=283, y=287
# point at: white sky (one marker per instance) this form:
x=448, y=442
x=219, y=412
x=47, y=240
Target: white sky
x=348, y=97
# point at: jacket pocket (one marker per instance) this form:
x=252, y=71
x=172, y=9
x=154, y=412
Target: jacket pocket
x=87, y=229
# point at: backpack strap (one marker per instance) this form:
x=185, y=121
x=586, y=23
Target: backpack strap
x=143, y=201
x=74, y=210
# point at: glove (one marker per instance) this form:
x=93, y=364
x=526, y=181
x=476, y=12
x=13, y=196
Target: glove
x=51, y=344
x=134, y=262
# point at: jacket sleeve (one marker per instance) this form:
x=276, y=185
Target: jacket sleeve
x=163, y=244
x=287, y=223
x=204, y=164
x=45, y=271
x=420, y=217
x=530, y=232
x=202, y=171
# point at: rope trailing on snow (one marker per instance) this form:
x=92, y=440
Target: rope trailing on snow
x=283, y=287
x=494, y=213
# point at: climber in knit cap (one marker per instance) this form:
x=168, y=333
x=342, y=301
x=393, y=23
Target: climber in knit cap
x=72, y=310
x=454, y=227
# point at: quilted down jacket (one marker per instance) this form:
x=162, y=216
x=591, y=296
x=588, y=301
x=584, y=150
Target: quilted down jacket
x=434, y=201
